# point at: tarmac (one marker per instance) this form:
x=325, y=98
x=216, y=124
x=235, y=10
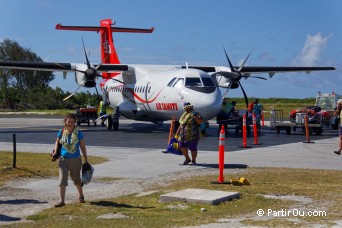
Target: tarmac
x=147, y=163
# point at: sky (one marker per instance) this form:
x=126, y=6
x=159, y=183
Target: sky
x=278, y=33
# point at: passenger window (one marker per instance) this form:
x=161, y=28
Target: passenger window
x=171, y=82
x=179, y=83
x=190, y=82
x=208, y=82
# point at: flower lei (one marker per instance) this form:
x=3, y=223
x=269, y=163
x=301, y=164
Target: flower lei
x=70, y=147
x=185, y=118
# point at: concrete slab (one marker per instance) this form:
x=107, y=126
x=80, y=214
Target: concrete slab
x=193, y=195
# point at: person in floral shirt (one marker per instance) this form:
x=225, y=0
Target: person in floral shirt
x=71, y=139
x=189, y=133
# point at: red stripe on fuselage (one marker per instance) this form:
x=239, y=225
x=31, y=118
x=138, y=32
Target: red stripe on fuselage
x=136, y=95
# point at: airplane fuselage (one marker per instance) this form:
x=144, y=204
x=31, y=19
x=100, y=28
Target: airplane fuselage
x=157, y=93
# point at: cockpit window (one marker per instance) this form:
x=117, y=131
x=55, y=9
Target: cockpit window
x=171, y=82
x=190, y=82
x=179, y=83
x=208, y=82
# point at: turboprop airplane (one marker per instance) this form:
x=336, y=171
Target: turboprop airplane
x=153, y=93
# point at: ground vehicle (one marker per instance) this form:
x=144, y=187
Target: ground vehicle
x=85, y=115
x=314, y=124
x=324, y=108
x=327, y=102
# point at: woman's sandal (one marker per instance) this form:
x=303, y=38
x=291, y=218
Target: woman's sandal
x=186, y=162
x=337, y=152
x=60, y=204
x=82, y=199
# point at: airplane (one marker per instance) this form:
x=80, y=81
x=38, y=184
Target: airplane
x=153, y=93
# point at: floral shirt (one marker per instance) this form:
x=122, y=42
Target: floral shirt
x=70, y=142
x=189, y=128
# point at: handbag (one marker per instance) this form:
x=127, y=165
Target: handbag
x=56, y=156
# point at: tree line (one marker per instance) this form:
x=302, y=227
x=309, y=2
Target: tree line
x=27, y=89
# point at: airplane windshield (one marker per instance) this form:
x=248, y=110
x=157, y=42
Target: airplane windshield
x=208, y=82
x=189, y=82
x=171, y=82
x=179, y=83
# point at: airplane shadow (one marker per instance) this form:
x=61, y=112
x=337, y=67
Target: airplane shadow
x=5, y=218
x=113, y=204
x=22, y=201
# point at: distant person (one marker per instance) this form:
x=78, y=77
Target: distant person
x=338, y=113
x=250, y=107
x=257, y=110
x=71, y=139
x=228, y=112
x=102, y=112
x=189, y=133
x=228, y=109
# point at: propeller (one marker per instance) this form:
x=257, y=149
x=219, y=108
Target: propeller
x=91, y=75
x=235, y=75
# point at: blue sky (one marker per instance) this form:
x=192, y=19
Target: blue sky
x=280, y=33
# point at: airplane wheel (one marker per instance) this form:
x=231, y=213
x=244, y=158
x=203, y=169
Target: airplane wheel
x=116, y=125
x=109, y=123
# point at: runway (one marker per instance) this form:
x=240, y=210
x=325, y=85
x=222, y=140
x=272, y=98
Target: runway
x=139, y=144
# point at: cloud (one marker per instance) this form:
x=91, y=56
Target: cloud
x=313, y=47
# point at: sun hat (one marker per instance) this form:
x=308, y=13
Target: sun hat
x=187, y=105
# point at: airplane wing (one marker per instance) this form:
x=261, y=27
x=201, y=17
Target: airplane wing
x=64, y=67
x=247, y=70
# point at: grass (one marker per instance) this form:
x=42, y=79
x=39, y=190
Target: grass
x=29, y=165
x=321, y=187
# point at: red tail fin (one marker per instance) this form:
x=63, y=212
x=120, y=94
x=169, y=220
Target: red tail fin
x=108, y=51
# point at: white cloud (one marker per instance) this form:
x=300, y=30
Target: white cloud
x=313, y=47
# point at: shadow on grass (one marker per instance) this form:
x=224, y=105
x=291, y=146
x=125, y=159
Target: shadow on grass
x=113, y=204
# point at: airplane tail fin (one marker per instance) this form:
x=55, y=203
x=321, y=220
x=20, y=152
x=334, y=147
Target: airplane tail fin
x=108, y=51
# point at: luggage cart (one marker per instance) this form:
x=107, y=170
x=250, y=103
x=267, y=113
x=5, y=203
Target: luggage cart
x=236, y=122
x=85, y=115
x=277, y=122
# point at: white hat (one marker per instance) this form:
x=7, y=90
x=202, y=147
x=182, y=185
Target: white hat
x=187, y=105
x=339, y=101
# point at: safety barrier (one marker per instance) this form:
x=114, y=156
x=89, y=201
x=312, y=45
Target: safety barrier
x=307, y=132
x=220, y=179
x=255, y=130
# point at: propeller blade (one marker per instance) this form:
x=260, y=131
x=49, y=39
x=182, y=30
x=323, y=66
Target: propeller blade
x=243, y=63
x=74, y=91
x=99, y=75
x=98, y=95
x=85, y=53
x=244, y=94
x=230, y=64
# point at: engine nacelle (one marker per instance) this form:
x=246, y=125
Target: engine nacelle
x=81, y=78
x=224, y=82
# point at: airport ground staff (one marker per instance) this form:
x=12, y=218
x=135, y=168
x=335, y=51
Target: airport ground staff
x=102, y=112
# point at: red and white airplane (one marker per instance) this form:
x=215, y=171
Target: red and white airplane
x=152, y=93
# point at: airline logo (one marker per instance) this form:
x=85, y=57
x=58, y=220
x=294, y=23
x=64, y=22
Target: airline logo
x=167, y=106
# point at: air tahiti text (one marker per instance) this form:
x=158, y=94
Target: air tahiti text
x=167, y=106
